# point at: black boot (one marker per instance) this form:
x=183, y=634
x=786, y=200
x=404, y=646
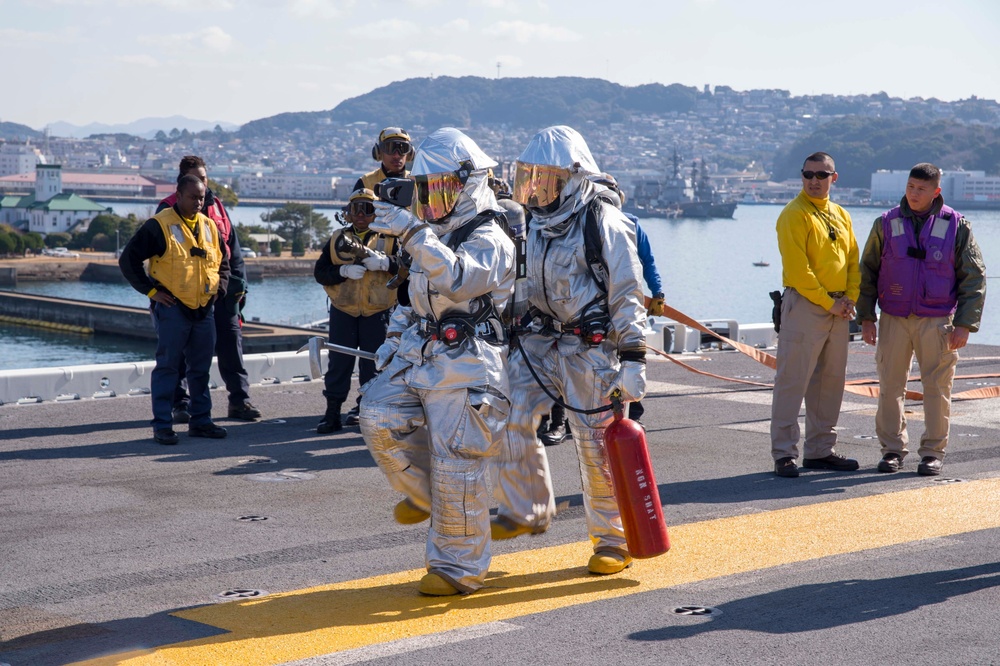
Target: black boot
x=353, y=416
x=543, y=427
x=331, y=420
x=557, y=431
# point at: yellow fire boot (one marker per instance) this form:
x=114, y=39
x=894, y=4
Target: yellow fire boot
x=608, y=562
x=434, y=586
x=408, y=513
x=504, y=528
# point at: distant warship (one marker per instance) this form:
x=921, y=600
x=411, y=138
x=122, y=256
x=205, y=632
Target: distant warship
x=679, y=196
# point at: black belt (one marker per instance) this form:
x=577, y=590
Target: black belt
x=452, y=330
x=592, y=330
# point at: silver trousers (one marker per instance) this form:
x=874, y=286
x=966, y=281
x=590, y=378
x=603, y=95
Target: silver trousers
x=432, y=446
x=523, y=484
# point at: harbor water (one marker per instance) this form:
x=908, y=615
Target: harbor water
x=707, y=268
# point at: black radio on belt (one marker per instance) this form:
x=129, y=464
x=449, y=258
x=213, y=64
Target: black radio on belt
x=916, y=252
x=592, y=333
x=198, y=252
x=451, y=333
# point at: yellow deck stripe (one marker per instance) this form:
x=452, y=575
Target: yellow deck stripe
x=332, y=618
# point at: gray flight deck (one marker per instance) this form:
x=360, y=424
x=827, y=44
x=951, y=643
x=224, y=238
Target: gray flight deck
x=103, y=532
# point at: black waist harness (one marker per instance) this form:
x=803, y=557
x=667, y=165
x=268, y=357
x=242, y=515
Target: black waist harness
x=454, y=329
x=593, y=328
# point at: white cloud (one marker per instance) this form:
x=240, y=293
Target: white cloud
x=142, y=59
x=323, y=9
x=392, y=61
x=17, y=36
x=394, y=28
x=456, y=25
x=431, y=58
x=213, y=38
x=522, y=31
x=188, y=5
x=509, y=61
x=174, y=5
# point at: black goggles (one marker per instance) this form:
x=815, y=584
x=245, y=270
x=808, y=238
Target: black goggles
x=396, y=147
x=821, y=175
x=363, y=208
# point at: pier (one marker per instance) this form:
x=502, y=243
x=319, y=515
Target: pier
x=119, y=320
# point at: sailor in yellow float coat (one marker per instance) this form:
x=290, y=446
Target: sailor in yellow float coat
x=188, y=271
x=354, y=268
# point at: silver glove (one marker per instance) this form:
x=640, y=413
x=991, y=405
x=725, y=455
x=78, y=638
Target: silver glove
x=385, y=352
x=630, y=380
x=376, y=262
x=392, y=220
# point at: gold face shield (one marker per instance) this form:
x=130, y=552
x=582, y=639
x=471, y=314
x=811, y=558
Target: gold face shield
x=436, y=195
x=538, y=185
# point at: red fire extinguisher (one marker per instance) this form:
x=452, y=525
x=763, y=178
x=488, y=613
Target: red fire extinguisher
x=635, y=486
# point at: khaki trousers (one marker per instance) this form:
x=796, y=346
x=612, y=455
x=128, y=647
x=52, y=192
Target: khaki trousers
x=812, y=363
x=899, y=338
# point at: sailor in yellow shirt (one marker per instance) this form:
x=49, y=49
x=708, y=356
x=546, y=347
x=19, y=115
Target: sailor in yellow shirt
x=821, y=275
x=188, y=270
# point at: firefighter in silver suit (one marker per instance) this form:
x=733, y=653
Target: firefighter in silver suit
x=585, y=340
x=438, y=407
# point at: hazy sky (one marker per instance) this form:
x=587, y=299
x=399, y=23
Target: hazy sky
x=115, y=61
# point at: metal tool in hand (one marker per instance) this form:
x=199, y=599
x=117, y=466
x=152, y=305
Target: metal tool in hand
x=349, y=248
x=317, y=344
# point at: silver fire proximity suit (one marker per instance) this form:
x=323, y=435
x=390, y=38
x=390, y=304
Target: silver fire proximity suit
x=569, y=307
x=438, y=408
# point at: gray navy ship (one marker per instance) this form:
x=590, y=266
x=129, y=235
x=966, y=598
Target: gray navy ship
x=678, y=196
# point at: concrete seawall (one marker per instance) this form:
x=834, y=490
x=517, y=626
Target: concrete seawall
x=104, y=319
x=104, y=268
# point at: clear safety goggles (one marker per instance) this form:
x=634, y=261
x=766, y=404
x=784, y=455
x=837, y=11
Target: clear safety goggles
x=436, y=195
x=538, y=185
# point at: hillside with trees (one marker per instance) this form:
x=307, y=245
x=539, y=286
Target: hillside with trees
x=634, y=127
x=17, y=132
x=470, y=100
x=861, y=146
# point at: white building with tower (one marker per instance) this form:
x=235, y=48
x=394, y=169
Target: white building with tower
x=49, y=209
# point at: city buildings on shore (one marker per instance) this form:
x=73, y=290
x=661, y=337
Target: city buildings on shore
x=94, y=184
x=287, y=186
x=736, y=136
x=48, y=209
x=969, y=188
x=18, y=158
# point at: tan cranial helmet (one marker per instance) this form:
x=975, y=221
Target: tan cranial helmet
x=390, y=140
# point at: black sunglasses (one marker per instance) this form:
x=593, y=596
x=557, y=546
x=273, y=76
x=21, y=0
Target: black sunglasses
x=822, y=175
x=396, y=147
x=363, y=208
